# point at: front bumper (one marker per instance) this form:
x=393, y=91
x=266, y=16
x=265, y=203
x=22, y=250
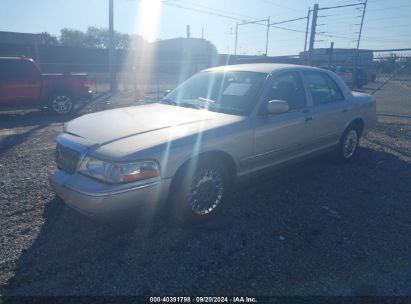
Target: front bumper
x=87, y=97
x=96, y=199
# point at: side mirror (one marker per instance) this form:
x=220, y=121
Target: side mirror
x=165, y=93
x=277, y=106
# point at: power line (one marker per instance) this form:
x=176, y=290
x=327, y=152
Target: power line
x=290, y=20
x=229, y=17
x=214, y=9
x=203, y=11
x=339, y=6
x=281, y=5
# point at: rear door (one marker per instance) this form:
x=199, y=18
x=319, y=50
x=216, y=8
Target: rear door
x=20, y=85
x=329, y=110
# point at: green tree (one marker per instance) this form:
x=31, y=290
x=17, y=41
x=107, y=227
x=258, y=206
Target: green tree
x=388, y=65
x=70, y=37
x=47, y=39
x=97, y=37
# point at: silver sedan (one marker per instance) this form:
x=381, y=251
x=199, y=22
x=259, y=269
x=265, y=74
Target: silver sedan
x=222, y=125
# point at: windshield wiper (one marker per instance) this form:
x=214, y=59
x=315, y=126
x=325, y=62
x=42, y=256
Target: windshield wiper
x=190, y=105
x=168, y=101
x=206, y=102
x=180, y=104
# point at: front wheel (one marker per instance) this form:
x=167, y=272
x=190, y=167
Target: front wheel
x=348, y=145
x=61, y=104
x=200, y=190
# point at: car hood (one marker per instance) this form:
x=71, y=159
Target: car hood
x=147, y=121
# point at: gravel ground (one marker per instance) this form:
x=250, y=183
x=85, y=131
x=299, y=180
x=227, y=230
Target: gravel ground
x=312, y=229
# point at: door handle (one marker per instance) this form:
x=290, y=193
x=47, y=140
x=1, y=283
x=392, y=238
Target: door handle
x=307, y=119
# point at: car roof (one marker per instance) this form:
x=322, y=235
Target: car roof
x=267, y=68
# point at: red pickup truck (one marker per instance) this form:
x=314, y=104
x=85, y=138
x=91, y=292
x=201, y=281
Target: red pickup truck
x=22, y=85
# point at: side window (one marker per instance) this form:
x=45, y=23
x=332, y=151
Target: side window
x=288, y=87
x=323, y=88
x=13, y=70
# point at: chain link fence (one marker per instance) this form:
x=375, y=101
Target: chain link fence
x=392, y=85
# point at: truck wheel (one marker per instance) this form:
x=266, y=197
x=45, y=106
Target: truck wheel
x=199, y=191
x=61, y=103
x=348, y=145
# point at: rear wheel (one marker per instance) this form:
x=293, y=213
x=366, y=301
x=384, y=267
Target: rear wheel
x=199, y=191
x=61, y=103
x=348, y=145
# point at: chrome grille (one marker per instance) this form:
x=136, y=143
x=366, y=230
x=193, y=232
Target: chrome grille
x=66, y=158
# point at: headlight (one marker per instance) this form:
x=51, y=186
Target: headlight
x=118, y=172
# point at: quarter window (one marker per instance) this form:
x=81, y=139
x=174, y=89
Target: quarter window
x=323, y=89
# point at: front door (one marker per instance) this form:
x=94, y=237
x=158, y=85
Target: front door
x=281, y=137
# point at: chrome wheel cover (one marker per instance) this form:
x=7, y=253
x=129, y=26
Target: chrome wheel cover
x=206, y=191
x=62, y=104
x=350, y=144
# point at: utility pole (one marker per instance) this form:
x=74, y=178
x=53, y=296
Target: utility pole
x=306, y=34
x=236, y=39
x=266, y=41
x=358, y=44
x=313, y=31
x=112, y=51
x=188, y=32
x=330, y=55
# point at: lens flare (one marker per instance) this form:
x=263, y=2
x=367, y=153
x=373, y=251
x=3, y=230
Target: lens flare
x=149, y=13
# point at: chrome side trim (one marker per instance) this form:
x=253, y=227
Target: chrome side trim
x=113, y=192
x=260, y=155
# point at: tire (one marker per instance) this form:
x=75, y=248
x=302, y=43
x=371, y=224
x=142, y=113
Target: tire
x=61, y=103
x=200, y=189
x=348, y=146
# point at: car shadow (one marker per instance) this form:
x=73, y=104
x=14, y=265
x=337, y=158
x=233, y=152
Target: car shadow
x=313, y=228
x=26, y=118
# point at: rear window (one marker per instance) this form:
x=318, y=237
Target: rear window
x=13, y=70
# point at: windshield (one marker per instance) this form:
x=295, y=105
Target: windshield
x=230, y=92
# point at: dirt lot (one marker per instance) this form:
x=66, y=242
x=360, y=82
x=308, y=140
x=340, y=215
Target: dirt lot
x=315, y=228
x=394, y=98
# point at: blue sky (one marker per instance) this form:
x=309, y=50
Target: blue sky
x=387, y=23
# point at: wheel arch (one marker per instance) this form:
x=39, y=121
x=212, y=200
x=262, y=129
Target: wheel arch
x=57, y=91
x=358, y=123
x=215, y=155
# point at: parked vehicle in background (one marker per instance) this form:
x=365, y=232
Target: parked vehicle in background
x=343, y=72
x=348, y=58
x=223, y=125
x=22, y=85
x=361, y=77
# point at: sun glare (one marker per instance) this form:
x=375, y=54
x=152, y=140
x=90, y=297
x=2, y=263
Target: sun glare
x=149, y=13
